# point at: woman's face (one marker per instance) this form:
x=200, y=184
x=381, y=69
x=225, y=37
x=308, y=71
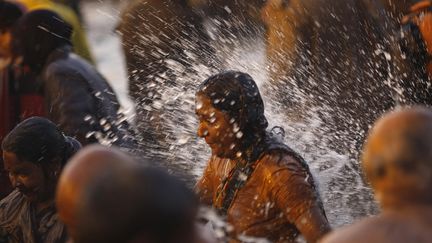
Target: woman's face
x=220, y=131
x=29, y=178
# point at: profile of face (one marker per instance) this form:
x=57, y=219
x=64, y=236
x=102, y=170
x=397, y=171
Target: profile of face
x=29, y=178
x=220, y=131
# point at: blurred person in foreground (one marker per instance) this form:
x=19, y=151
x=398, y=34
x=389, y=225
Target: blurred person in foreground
x=34, y=153
x=397, y=160
x=105, y=196
x=264, y=188
x=76, y=96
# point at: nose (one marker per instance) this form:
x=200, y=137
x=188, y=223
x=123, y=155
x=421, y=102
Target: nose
x=202, y=130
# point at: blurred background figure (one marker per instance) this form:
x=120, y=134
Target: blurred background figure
x=103, y=196
x=19, y=98
x=78, y=37
x=34, y=154
x=74, y=5
x=416, y=41
x=76, y=96
x=164, y=41
x=251, y=169
x=397, y=160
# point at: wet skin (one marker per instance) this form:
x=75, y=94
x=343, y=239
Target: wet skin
x=29, y=178
x=217, y=128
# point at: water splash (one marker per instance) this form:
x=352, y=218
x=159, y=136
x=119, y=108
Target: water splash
x=170, y=114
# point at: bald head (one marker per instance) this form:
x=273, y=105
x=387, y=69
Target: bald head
x=83, y=170
x=103, y=196
x=397, y=157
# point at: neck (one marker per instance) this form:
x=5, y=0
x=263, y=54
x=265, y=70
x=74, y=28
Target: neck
x=252, y=147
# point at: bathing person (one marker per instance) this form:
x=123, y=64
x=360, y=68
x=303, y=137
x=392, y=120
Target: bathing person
x=76, y=96
x=264, y=188
x=104, y=196
x=34, y=153
x=397, y=160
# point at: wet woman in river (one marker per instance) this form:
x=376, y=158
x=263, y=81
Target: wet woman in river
x=264, y=188
x=34, y=153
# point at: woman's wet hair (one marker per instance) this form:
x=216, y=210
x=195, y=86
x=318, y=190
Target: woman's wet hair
x=39, y=141
x=236, y=94
x=9, y=14
x=37, y=34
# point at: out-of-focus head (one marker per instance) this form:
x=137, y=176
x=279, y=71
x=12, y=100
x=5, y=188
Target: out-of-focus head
x=230, y=112
x=397, y=157
x=103, y=196
x=34, y=153
x=9, y=15
x=81, y=171
x=37, y=34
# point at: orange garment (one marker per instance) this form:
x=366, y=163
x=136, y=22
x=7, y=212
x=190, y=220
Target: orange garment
x=278, y=201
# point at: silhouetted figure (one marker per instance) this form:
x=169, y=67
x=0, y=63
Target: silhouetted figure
x=78, y=38
x=397, y=160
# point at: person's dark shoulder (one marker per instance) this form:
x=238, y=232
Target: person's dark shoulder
x=277, y=160
x=66, y=65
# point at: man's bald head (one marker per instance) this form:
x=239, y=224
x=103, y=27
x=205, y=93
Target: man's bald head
x=84, y=169
x=117, y=200
x=397, y=157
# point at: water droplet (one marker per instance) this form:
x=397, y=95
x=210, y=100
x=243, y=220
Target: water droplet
x=87, y=118
x=239, y=134
x=199, y=105
x=236, y=128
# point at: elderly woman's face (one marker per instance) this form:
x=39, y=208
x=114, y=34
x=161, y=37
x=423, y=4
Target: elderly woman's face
x=220, y=131
x=29, y=178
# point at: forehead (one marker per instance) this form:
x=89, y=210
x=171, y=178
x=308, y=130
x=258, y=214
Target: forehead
x=12, y=161
x=204, y=105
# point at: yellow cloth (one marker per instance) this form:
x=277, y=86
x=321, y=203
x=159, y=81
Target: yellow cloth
x=79, y=40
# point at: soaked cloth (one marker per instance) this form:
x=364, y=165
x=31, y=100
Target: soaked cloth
x=19, y=222
x=275, y=197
